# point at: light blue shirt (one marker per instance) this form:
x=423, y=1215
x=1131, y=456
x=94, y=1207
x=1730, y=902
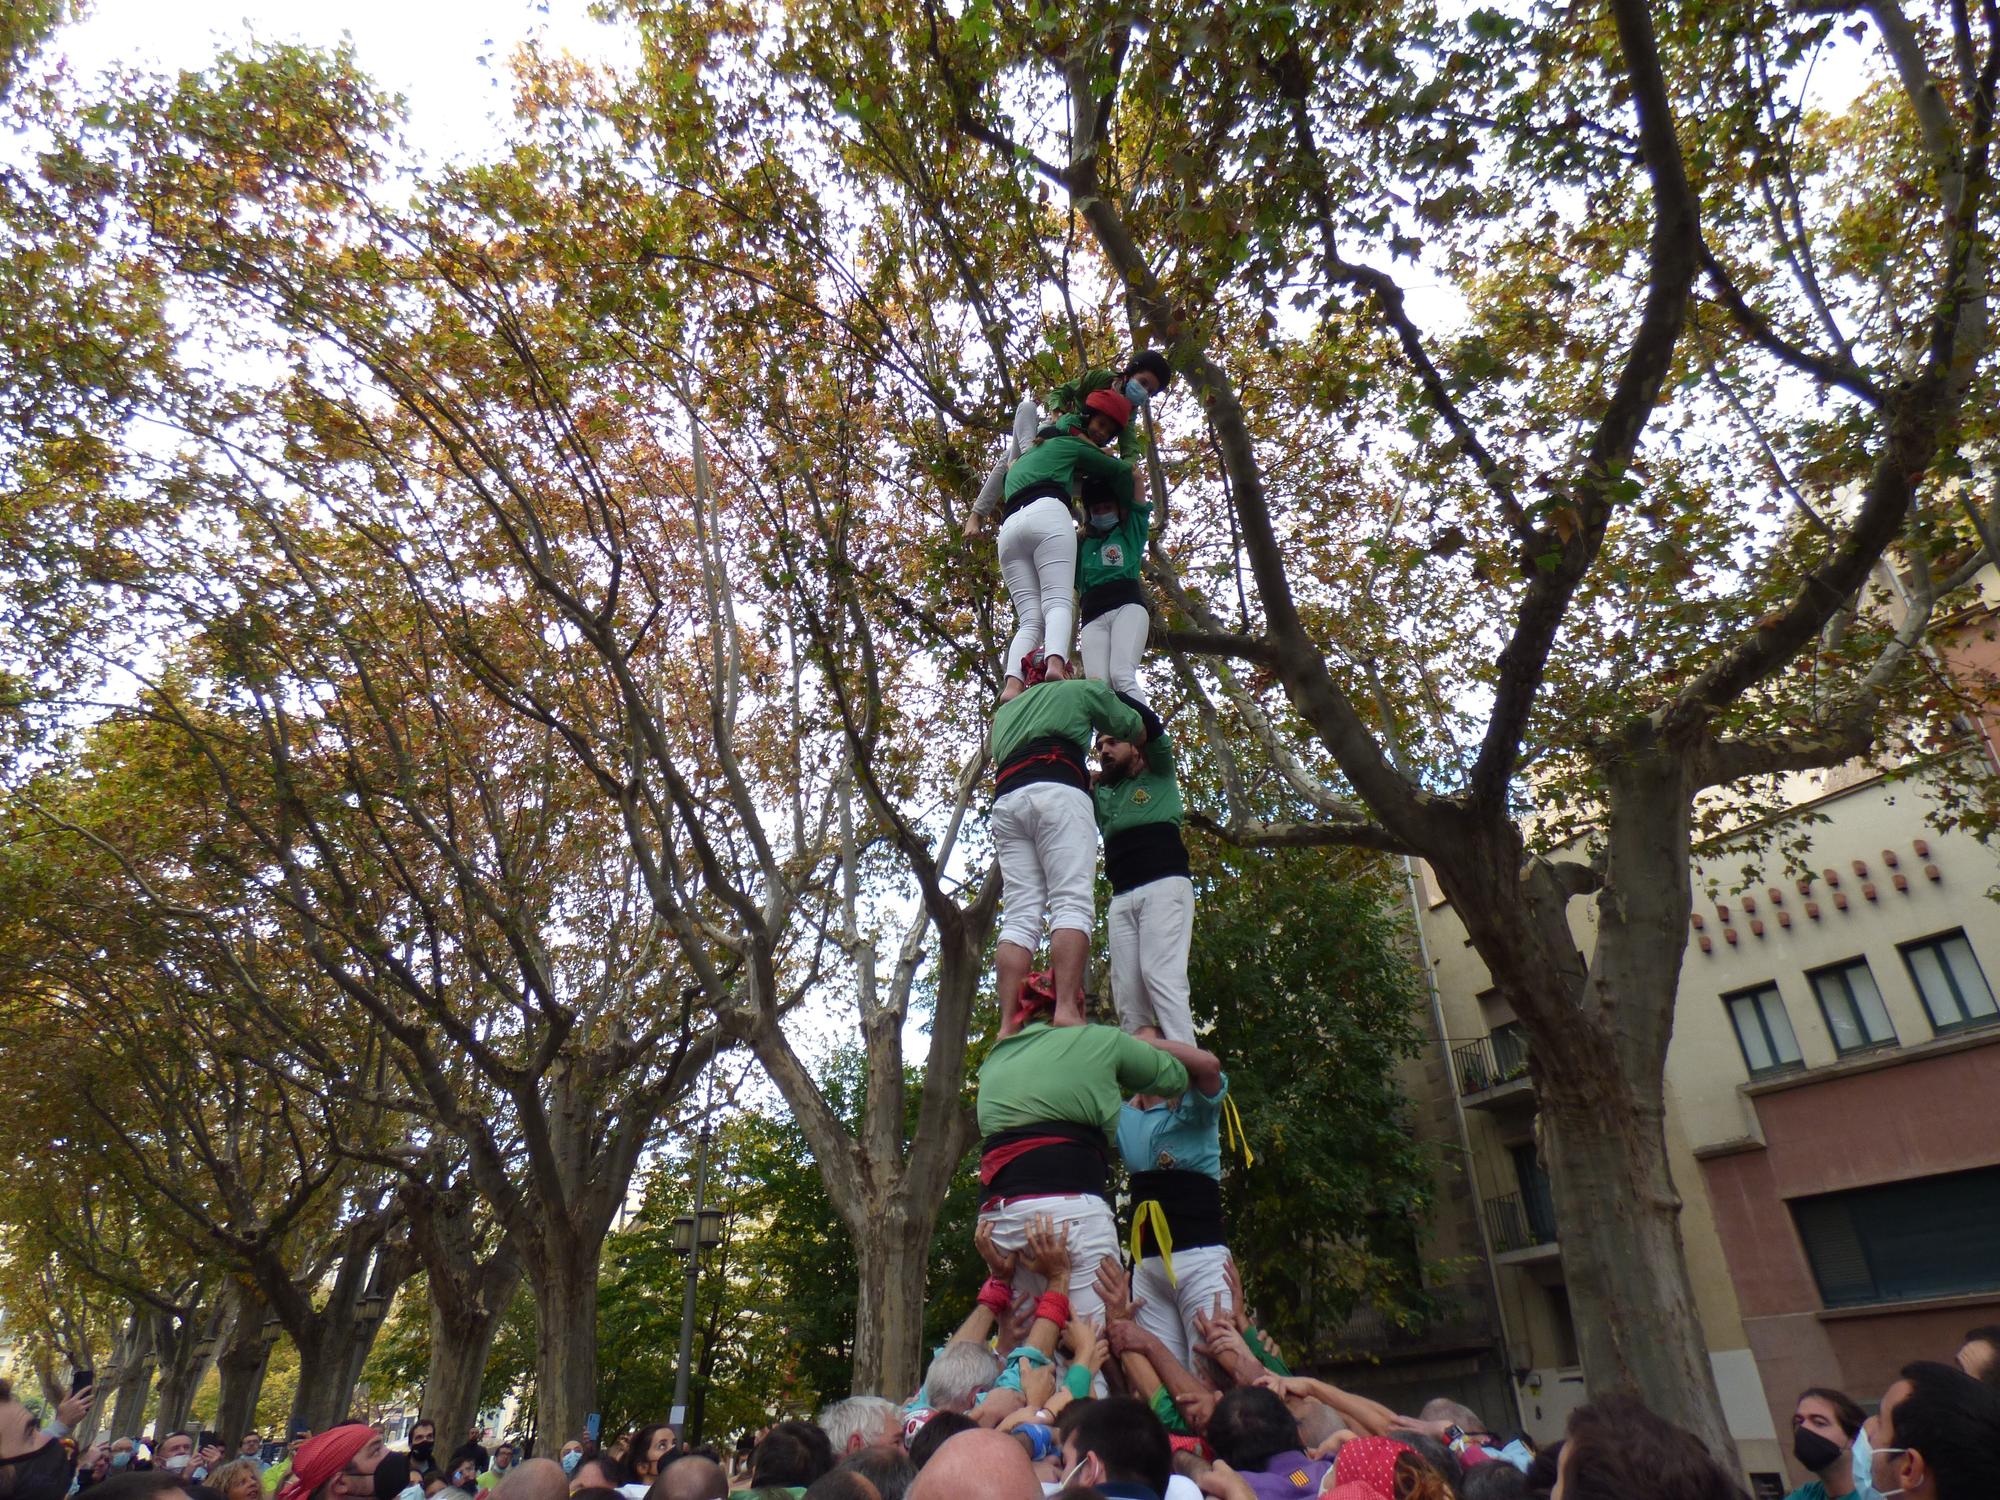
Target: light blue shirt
x=1185, y=1136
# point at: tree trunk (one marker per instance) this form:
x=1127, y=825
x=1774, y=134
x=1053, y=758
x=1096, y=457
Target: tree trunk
x=468, y=1297
x=241, y=1363
x=321, y=1399
x=563, y=1272
x=460, y=1345
x=133, y=1382
x=393, y=1264
x=1599, y=1041
x=186, y=1346
x=892, y=1249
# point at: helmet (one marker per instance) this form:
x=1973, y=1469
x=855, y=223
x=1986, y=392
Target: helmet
x=1112, y=404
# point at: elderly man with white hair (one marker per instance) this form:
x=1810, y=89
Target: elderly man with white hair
x=862, y=1422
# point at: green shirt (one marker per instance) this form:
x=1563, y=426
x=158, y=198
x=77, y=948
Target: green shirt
x=1063, y=459
x=1068, y=397
x=1077, y=709
x=1118, y=552
x=1814, y=1490
x=1152, y=796
x=1077, y=1074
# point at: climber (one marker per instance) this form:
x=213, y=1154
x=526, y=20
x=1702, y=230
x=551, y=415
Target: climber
x=1172, y=1146
x=1038, y=537
x=1138, y=805
x=1044, y=831
x=1140, y=381
x=1108, y=559
x=1049, y=1098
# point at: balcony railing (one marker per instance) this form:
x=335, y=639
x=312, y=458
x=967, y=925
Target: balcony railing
x=1492, y=1060
x=1521, y=1221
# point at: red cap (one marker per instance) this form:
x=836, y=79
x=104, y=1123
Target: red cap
x=1112, y=403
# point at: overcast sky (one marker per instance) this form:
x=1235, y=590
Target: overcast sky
x=426, y=50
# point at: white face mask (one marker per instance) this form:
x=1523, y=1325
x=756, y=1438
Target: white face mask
x=178, y=1462
x=1864, y=1455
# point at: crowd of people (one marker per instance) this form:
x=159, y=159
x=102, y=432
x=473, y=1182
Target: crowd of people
x=984, y=1427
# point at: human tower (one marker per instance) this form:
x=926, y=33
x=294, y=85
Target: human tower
x=1057, y=1092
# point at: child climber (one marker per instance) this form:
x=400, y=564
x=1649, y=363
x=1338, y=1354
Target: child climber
x=1038, y=546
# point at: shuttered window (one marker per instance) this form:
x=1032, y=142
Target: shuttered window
x=1902, y=1241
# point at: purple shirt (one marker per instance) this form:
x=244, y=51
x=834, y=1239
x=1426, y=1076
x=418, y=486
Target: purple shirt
x=1286, y=1476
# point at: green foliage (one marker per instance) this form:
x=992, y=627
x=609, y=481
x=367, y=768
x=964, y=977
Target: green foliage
x=775, y=1305
x=1302, y=966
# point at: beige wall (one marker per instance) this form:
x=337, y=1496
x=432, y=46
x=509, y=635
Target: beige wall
x=1706, y=1072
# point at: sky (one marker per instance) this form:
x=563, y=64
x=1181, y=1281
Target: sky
x=427, y=50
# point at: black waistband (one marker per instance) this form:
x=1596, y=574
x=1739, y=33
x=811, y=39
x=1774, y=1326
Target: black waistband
x=1192, y=1202
x=1138, y=856
x=1113, y=593
x=1076, y=1159
x=1047, y=490
x=1052, y=757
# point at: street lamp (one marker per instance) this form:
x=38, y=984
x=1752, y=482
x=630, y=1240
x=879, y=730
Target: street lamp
x=694, y=1233
x=371, y=1307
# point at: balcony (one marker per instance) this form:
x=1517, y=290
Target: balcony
x=1492, y=1072
x=1522, y=1225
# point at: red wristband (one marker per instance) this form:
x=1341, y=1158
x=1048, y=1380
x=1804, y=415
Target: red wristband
x=1055, y=1307
x=996, y=1296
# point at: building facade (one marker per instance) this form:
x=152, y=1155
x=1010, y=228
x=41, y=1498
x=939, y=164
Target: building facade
x=1835, y=1056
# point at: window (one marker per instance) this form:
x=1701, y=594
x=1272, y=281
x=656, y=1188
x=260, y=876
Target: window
x=1852, y=1006
x=1947, y=976
x=1763, y=1030
x=1928, y=1237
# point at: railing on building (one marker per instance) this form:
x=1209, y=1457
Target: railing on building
x=1521, y=1221
x=1491, y=1061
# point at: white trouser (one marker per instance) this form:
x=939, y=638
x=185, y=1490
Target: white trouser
x=1045, y=837
x=1151, y=925
x=1113, y=644
x=1169, y=1310
x=1093, y=1234
x=1038, y=562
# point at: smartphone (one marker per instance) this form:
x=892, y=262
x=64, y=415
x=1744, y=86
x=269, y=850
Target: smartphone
x=209, y=1440
x=81, y=1380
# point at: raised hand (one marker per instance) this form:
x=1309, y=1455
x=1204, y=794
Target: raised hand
x=73, y=1408
x=1239, y=1307
x=1086, y=1343
x=1331, y=1446
x=1047, y=1251
x=999, y=1262
x=1037, y=1384
x=1115, y=1288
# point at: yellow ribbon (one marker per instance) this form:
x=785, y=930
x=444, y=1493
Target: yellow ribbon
x=1232, y=1131
x=1151, y=1213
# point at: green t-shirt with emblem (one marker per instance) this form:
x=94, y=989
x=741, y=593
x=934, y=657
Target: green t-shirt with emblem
x=1116, y=554
x=1153, y=796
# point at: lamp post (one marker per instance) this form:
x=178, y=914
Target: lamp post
x=693, y=1233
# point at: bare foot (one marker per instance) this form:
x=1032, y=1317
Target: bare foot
x=1056, y=670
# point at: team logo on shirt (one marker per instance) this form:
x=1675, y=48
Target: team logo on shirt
x=1164, y=1161
x=1113, y=554
x=1140, y=794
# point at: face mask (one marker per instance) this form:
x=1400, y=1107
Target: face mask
x=1136, y=392
x=1815, y=1450
x=120, y=1460
x=43, y=1474
x=178, y=1462
x=1865, y=1453
x=571, y=1459
x=422, y=1451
